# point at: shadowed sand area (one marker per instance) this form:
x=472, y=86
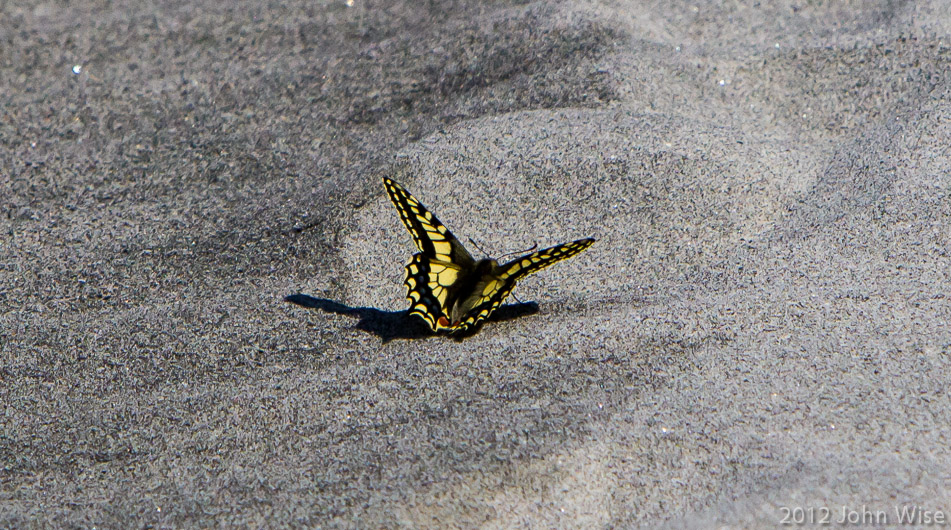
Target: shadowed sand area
x=202, y=316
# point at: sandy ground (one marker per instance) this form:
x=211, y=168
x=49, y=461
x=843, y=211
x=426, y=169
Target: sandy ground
x=202, y=319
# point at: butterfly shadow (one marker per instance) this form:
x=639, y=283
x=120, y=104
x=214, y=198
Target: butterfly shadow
x=389, y=325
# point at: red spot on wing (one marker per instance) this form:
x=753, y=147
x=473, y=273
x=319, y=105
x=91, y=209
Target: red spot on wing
x=443, y=321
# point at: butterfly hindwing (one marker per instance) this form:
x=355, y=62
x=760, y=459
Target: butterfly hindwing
x=427, y=287
x=485, y=299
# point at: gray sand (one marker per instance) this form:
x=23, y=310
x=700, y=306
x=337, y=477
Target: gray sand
x=202, y=319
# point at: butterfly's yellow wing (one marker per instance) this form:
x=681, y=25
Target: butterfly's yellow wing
x=445, y=285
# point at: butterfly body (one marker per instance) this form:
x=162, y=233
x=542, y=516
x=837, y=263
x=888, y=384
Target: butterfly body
x=447, y=287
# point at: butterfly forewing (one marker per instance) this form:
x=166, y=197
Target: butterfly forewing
x=433, y=239
x=536, y=261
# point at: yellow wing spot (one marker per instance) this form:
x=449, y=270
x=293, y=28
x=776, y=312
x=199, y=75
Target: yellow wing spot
x=442, y=247
x=447, y=277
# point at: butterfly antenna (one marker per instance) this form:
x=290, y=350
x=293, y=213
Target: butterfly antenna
x=521, y=251
x=476, y=245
